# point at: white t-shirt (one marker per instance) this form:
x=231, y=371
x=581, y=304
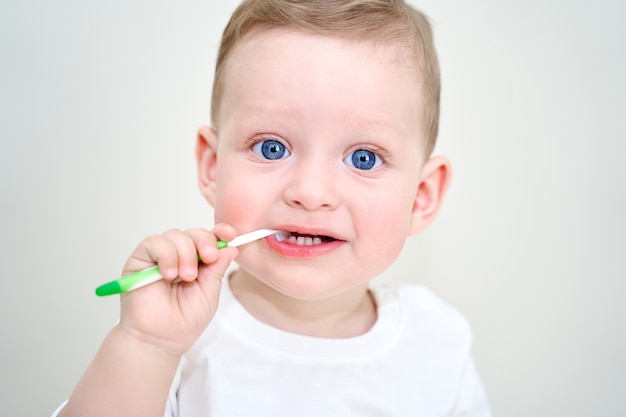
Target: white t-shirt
x=415, y=361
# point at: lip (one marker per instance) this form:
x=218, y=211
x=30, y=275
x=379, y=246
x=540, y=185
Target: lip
x=286, y=248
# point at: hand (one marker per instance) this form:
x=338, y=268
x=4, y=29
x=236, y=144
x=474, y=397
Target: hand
x=172, y=313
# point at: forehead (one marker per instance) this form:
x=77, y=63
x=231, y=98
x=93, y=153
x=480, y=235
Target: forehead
x=294, y=72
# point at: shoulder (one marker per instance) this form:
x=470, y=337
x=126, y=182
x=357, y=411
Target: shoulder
x=427, y=316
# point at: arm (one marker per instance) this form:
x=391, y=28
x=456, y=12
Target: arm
x=132, y=371
x=127, y=377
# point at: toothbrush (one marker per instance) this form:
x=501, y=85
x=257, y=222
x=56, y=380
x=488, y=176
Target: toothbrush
x=148, y=276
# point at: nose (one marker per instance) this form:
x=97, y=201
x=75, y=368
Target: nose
x=312, y=186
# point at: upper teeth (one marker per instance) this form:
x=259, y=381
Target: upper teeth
x=305, y=240
x=299, y=240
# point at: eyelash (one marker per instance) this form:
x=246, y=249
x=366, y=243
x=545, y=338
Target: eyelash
x=381, y=156
x=257, y=148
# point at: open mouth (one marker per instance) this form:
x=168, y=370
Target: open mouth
x=303, y=239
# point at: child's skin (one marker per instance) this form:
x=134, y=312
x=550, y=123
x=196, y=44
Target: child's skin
x=320, y=100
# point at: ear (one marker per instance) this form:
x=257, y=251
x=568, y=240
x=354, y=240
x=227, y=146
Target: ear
x=206, y=158
x=434, y=181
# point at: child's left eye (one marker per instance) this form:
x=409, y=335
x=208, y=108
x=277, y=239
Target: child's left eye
x=363, y=159
x=270, y=149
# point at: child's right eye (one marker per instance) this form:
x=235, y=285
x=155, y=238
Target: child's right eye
x=270, y=149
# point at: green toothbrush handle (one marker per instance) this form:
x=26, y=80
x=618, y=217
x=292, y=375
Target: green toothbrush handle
x=138, y=279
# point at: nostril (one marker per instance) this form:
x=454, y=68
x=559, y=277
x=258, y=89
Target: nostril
x=315, y=192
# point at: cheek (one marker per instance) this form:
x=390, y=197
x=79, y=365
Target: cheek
x=239, y=199
x=382, y=237
x=387, y=225
x=387, y=218
x=236, y=206
x=232, y=197
x=386, y=222
x=389, y=209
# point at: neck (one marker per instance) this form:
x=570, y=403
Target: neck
x=344, y=315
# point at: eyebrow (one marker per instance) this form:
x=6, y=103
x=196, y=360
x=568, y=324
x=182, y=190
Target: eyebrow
x=265, y=111
x=378, y=124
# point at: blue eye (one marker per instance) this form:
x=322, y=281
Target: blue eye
x=363, y=159
x=270, y=149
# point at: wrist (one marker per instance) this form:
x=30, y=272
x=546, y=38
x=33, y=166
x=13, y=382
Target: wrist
x=146, y=344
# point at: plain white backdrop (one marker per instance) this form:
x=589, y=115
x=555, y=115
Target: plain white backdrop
x=99, y=106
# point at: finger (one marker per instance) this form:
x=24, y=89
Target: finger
x=187, y=268
x=224, y=232
x=205, y=243
x=154, y=249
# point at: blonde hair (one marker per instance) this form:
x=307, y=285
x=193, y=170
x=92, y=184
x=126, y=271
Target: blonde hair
x=390, y=21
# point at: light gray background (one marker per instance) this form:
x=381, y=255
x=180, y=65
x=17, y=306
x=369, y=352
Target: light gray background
x=100, y=102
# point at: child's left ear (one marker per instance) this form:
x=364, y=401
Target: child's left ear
x=434, y=181
x=206, y=158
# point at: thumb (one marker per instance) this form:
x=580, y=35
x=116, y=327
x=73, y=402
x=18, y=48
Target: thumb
x=210, y=275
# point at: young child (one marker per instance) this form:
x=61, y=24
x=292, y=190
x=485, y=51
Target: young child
x=324, y=116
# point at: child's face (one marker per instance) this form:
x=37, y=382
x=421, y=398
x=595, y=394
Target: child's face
x=319, y=137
